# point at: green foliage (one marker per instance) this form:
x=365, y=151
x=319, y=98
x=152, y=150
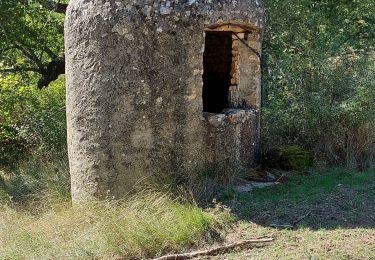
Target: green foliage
x=31, y=38
x=4, y=196
x=319, y=77
x=30, y=119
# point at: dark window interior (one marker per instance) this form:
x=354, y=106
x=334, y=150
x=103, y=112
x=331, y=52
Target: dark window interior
x=217, y=64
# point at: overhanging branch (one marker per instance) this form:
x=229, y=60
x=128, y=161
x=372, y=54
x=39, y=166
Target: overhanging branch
x=50, y=5
x=54, y=6
x=52, y=72
x=19, y=69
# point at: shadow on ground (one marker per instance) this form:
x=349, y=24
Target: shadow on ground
x=327, y=200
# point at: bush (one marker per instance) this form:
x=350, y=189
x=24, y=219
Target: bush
x=319, y=80
x=30, y=119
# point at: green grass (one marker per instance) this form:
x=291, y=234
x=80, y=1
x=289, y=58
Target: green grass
x=340, y=223
x=306, y=188
x=142, y=226
x=37, y=220
x=36, y=179
x=302, y=192
x=44, y=225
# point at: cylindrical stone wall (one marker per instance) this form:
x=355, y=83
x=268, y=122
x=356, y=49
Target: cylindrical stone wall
x=134, y=92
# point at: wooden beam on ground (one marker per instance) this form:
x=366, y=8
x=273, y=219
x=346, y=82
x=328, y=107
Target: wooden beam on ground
x=216, y=250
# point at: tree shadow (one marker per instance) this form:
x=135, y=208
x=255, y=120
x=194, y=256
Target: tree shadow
x=338, y=199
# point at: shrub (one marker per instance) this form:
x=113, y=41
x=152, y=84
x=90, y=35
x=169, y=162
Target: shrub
x=319, y=80
x=30, y=119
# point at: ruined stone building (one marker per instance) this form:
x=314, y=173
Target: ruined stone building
x=160, y=86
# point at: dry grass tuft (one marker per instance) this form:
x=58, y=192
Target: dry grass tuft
x=143, y=226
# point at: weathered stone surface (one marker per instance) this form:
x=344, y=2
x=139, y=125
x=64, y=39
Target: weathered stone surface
x=134, y=90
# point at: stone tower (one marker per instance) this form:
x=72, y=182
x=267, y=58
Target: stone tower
x=160, y=86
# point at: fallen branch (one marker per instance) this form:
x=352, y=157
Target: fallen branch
x=298, y=220
x=282, y=226
x=216, y=250
x=290, y=226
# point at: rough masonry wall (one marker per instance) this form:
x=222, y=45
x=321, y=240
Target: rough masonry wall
x=249, y=49
x=134, y=90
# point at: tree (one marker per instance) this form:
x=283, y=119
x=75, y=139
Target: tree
x=31, y=39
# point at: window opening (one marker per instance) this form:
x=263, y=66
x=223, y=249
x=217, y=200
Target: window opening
x=219, y=67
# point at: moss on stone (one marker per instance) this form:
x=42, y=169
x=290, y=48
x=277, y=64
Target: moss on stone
x=289, y=158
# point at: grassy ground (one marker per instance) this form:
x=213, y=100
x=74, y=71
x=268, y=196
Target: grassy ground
x=37, y=220
x=333, y=213
x=140, y=227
